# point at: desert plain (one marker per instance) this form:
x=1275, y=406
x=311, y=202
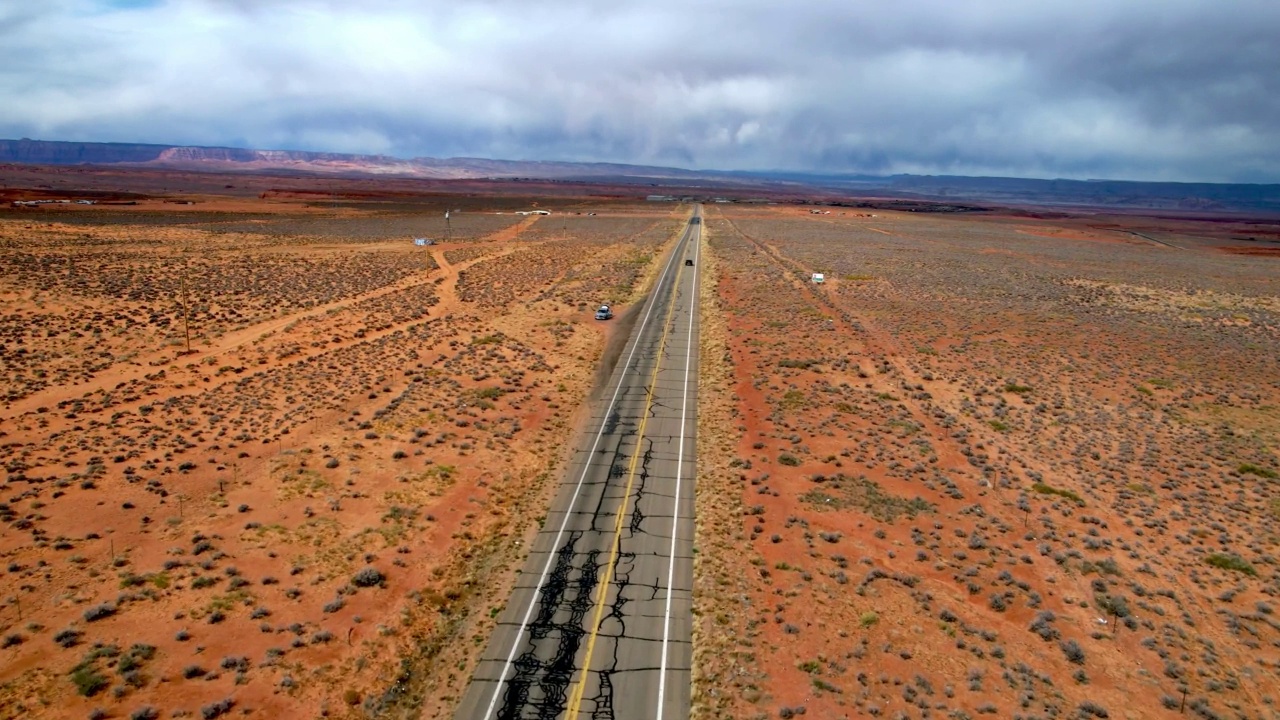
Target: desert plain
x=265, y=456
x=1019, y=465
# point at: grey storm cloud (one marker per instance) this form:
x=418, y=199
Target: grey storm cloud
x=1169, y=90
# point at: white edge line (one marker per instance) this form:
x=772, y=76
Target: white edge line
x=551, y=554
x=675, y=510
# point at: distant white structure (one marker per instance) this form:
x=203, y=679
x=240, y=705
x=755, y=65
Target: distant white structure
x=533, y=212
x=36, y=203
x=818, y=278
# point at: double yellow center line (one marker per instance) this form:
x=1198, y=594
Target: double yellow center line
x=602, y=590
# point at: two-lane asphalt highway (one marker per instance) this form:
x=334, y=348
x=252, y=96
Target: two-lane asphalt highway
x=599, y=623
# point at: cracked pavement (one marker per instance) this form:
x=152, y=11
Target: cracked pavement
x=594, y=590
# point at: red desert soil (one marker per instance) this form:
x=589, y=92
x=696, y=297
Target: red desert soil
x=319, y=508
x=1256, y=251
x=992, y=466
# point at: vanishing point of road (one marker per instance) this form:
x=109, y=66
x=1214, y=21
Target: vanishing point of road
x=599, y=623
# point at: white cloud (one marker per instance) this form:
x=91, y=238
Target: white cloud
x=1083, y=88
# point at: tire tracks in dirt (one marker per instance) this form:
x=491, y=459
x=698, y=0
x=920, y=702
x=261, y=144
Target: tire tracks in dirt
x=877, y=344
x=875, y=340
x=445, y=276
x=881, y=346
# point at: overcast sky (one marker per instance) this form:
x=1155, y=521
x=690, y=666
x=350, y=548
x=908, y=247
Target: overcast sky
x=1148, y=90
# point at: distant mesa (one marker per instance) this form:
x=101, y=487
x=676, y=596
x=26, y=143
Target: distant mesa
x=56, y=152
x=908, y=193
x=42, y=152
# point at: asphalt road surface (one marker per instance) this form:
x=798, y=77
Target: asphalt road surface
x=599, y=623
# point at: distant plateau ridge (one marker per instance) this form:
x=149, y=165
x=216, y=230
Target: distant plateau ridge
x=1185, y=197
